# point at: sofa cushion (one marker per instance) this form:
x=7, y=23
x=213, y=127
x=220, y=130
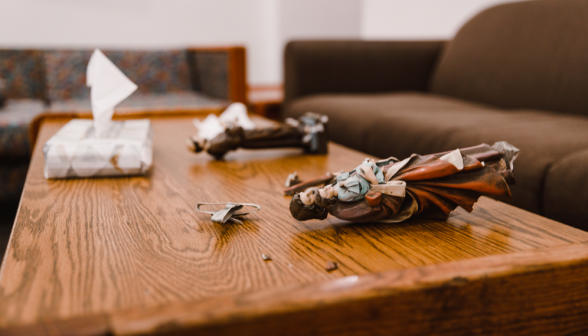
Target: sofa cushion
x=172, y=101
x=529, y=54
x=404, y=123
x=544, y=138
x=566, y=190
x=152, y=71
x=353, y=119
x=15, y=118
x=24, y=73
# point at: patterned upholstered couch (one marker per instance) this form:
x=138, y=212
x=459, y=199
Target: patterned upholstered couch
x=53, y=81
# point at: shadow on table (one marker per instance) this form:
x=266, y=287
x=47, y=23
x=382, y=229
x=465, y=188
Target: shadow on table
x=228, y=231
x=374, y=247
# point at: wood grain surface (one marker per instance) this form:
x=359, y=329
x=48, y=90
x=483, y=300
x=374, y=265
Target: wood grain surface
x=538, y=292
x=89, y=247
x=522, y=293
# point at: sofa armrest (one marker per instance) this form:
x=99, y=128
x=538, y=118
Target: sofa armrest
x=219, y=72
x=566, y=190
x=313, y=67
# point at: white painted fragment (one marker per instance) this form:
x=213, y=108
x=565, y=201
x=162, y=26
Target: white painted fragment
x=454, y=158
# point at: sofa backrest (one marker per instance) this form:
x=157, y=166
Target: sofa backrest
x=24, y=73
x=531, y=54
x=152, y=71
x=210, y=73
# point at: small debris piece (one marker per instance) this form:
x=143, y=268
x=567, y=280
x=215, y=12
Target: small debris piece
x=223, y=216
x=292, y=180
x=266, y=257
x=331, y=266
x=290, y=265
x=229, y=213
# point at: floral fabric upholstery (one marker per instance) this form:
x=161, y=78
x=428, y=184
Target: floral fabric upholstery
x=152, y=71
x=24, y=73
x=66, y=74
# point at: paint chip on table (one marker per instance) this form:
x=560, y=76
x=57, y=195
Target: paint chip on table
x=331, y=266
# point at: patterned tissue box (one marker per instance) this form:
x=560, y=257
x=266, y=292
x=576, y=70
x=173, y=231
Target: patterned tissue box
x=126, y=148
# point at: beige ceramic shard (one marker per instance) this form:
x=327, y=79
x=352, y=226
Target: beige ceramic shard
x=455, y=158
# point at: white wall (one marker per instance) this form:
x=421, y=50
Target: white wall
x=125, y=23
x=285, y=20
x=260, y=25
x=136, y=24
x=320, y=19
x=317, y=19
x=418, y=19
x=263, y=26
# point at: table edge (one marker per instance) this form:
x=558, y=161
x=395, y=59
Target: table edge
x=549, y=267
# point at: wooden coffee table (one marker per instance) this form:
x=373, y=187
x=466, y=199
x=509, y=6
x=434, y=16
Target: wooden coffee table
x=120, y=256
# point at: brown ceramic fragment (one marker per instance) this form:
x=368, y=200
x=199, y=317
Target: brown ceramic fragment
x=331, y=266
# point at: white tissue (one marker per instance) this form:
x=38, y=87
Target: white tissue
x=109, y=86
x=212, y=125
x=209, y=127
x=236, y=113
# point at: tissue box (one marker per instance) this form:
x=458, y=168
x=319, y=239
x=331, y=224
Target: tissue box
x=126, y=148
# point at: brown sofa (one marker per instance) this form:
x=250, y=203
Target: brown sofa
x=516, y=72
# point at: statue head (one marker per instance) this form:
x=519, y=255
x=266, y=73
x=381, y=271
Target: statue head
x=303, y=212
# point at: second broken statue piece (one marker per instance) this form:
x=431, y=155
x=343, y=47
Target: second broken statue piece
x=308, y=132
x=292, y=180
